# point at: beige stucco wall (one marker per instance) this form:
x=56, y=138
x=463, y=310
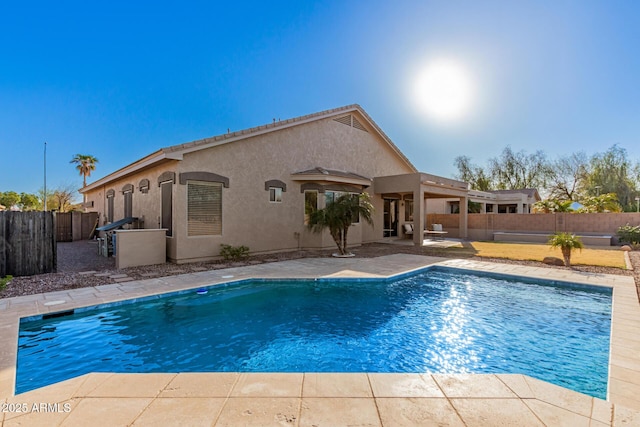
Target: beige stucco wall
x=437, y=206
x=140, y=247
x=248, y=216
x=144, y=206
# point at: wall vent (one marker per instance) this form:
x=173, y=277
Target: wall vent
x=345, y=120
x=358, y=125
x=351, y=121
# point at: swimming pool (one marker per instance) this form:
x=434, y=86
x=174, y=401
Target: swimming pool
x=436, y=321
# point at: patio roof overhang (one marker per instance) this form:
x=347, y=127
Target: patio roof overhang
x=432, y=186
x=423, y=186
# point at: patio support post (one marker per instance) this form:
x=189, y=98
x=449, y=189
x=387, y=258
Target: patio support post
x=483, y=207
x=464, y=209
x=418, y=216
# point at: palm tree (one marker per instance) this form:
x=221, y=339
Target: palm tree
x=85, y=165
x=564, y=206
x=566, y=242
x=339, y=215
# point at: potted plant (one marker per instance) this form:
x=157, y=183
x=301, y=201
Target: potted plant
x=567, y=242
x=339, y=215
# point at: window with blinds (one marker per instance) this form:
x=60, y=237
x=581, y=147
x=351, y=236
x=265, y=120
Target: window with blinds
x=204, y=208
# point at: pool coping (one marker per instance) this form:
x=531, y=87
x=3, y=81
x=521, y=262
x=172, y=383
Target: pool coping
x=624, y=363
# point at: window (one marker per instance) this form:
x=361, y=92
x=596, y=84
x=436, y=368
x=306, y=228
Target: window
x=408, y=210
x=128, y=204
x=310, y=204
x=109, y=208
x=332, y=196
x=167, y=207
x=204, y=208
x=275, y=194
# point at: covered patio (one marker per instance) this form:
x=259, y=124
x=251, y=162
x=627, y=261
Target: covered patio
x=411, y=192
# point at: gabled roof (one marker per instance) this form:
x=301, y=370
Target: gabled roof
x=176, y=152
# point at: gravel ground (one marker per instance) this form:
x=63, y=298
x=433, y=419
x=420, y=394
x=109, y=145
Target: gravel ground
x=76, y=259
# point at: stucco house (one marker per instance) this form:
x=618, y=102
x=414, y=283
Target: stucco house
x=255, y=187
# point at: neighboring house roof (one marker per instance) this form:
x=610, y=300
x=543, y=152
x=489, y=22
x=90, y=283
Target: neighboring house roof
x=2, y=207
x=529, y=192
x=176, y=152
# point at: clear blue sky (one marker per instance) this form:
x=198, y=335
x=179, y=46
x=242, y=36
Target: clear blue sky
x=120, y=79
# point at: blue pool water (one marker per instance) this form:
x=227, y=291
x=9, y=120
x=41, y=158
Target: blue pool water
x=437, y=321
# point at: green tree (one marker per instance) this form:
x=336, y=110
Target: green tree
x=612, y=172
x=41, y=198
x=85, y=164
x=474, y=175
x=59, y=199
x=603, y=203
x=339, y=215
x=567, y=242
x=9, y=199
x=29, y=202
x=568, y=177
x=553, y=205
x=516, y=170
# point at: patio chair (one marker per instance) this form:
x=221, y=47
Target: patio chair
x=408, y=229
x=436, y=232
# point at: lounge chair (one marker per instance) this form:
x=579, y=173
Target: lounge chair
x=436, y=232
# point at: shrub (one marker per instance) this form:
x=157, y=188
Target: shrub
x=4, y=281
x=233, y=253
x=629, y=234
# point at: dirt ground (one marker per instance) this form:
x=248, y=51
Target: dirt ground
x=78, y=262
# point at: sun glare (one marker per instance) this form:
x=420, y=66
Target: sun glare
x=444, y=90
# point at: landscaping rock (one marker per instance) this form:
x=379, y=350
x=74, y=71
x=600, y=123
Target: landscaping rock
x=625, y=248
x=551, y=260
x=76, y=257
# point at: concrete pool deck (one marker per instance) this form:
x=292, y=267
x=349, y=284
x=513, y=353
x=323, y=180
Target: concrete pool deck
x=306, y=399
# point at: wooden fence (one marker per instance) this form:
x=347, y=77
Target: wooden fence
x=72, y=226
x=27, y=243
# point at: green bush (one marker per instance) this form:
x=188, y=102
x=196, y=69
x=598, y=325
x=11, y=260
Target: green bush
x=233, y=253
x=629, y=234
x=4, y=281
